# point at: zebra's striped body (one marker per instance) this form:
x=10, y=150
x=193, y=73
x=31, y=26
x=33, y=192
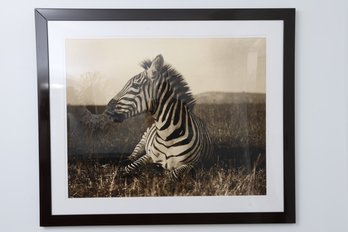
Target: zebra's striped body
x=178, y=140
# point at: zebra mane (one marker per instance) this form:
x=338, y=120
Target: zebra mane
x=176, y=81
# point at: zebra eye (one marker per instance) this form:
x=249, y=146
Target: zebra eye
x=137, y=79
x=135, y=85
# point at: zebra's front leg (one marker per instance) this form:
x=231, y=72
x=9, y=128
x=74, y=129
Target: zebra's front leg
x=139, y=149
x=180, y=172
x=134, y=167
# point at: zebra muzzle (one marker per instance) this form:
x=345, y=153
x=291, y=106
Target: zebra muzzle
x=115, y=117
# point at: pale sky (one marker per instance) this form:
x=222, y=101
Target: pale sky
x=207, y=64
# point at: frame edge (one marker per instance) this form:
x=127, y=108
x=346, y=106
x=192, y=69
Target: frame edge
x=44, y=117
x=289, y=115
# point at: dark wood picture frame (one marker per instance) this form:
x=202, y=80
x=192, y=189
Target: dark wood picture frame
x=43, y=16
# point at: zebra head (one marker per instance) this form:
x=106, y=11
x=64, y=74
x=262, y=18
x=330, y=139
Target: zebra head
x=136, y=96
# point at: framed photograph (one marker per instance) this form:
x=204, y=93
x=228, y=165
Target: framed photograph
x=166, y=116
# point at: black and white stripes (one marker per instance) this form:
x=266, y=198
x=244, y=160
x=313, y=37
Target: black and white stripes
x=178, y=140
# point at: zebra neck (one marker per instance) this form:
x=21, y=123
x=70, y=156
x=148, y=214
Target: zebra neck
x=172, y=120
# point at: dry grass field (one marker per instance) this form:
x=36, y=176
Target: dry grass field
x=103, y=179
x=97, y=148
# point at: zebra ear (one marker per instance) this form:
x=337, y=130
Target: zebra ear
x=155, y=67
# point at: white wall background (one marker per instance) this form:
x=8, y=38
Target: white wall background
x=321, y=114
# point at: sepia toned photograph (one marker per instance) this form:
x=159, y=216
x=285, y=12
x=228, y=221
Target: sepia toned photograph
x=152, y=117
x=166, y=116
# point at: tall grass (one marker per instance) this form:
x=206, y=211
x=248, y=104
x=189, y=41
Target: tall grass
x=104, y=179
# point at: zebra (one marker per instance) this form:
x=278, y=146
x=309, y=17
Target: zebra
x=178, y=140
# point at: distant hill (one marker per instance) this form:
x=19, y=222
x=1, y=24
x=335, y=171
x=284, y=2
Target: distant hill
x=229, y=98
